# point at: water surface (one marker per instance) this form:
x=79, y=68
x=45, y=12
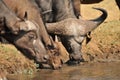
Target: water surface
x=92, y=71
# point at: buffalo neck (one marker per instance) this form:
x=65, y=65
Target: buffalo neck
x=63, y=9
x=9, y=16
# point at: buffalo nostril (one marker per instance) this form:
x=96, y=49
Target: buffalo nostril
x=60, y=66
x=46, y=57
x=57, y=67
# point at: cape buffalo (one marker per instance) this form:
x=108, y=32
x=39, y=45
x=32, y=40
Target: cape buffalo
x=24, y=34
x=71, y=30
x=34, y=14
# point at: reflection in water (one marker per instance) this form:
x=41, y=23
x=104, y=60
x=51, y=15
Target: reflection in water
x=96, y=71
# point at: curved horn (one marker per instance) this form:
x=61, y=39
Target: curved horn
x=76, y=27
x=100, y=19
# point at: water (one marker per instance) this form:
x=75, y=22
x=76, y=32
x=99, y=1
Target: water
x=93, y=71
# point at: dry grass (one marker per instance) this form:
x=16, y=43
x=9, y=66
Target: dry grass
x=109, y=5
x=12, y=61
x=105, y=43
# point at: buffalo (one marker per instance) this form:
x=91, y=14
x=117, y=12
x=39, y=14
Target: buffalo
x=72, y=31
x=27, y=33
x=40, y=51
x=23, y=33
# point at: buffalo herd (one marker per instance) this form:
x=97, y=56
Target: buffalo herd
x=32, y=26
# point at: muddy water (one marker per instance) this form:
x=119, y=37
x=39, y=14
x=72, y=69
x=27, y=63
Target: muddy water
x=93, y=71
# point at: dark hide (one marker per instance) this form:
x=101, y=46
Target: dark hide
x=45, y=7
x=77, y=8
x=63, y=9
x=55, y=8
x=90, y=1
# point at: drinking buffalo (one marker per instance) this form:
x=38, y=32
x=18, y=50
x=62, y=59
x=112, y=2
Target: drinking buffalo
x=71, y=30
x=34, y=15
x=34, y=42
x=24, y=34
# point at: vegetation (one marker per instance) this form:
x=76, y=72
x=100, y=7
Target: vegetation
x=105, y=43
x=12, y=61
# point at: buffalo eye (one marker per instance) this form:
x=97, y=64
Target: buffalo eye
x=32, y=37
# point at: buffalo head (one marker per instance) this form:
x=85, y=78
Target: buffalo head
x=30, y=43
x=24, y=34
x=73, y=31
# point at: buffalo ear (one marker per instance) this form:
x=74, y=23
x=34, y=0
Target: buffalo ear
x=26, y=16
